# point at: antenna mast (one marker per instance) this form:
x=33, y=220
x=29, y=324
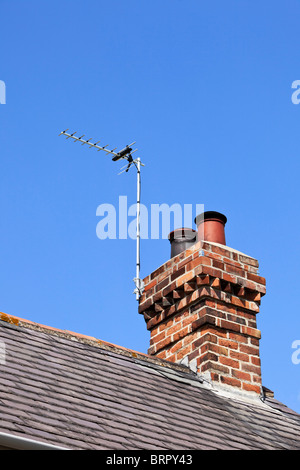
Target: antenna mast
x=125, y=153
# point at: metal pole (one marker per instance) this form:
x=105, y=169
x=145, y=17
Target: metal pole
x=138, y=286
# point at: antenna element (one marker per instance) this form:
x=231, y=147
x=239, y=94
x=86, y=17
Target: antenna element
x=125, y=153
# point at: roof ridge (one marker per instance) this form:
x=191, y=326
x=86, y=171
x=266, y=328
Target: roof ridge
x=92, y=341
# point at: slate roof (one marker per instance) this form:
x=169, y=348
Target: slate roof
x=81, y=393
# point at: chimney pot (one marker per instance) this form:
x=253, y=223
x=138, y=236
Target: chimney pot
x=211, y=227
x=181, y=239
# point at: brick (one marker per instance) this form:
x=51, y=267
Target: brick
x=253, y=296
x=171, y=358
x=228, y=343
x=231, y=381
x=216, y=283
x=150, y=285
x=238, y=374
x=233, y=263
x=212, y=347
x=214, y=331
x=226, y=308
x=167, y=324
x=143, y=306
x=212, y=271
x=256, y=379
x=157, y=296
x=152, y=322
x=213, y=367
x=178, y=273
x=201, y=260
x=236, y=319
x=205, y=319
x=163, y=276
x=189, y=320
x=162, y=344
x=252, y=306
x=178, y=294
x=176, y=327
x=207, y=337
x=158, y=338
x=256, y=278
x=190, y=338
x=158, y=271
x=189, y=286
x=181, y=333
x=246, y=283
x=240, y=356
x=251, y=387
x=194, y=354
x=185, y=278
x=229, y=268
x=155, y=331
x=213, y=256
x=161, y=354
x=218, y=264
x=183, y=352
x=147, y=279
x=215, y=377
x=228, y=325
x=152, y=350
x=239, y=291
x=247, y=260
x=238, y=337
x=229, y=277
x=185, y=261
x=162, y=284
x=255, y=360
x=178, y=258
x=176, y=347
x=229, y=362
x=158, y=307
x=250, y=368
x=202, y=280
x=206, y=246
x=170, y=311
x=221, y=251
x=208, y=356
x=167, y=290
x=251, y=331
x=210, y=303
x=213, y=312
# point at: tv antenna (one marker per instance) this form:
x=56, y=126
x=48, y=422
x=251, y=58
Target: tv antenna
x=124, y=154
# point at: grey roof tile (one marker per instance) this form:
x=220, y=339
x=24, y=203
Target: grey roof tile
x=60, y=388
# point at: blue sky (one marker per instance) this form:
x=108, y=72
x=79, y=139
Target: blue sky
x=205, y=90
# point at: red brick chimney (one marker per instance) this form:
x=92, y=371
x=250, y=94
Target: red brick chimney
x=201, y=307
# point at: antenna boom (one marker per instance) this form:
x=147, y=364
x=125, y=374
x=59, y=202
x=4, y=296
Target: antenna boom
x=125, y=153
